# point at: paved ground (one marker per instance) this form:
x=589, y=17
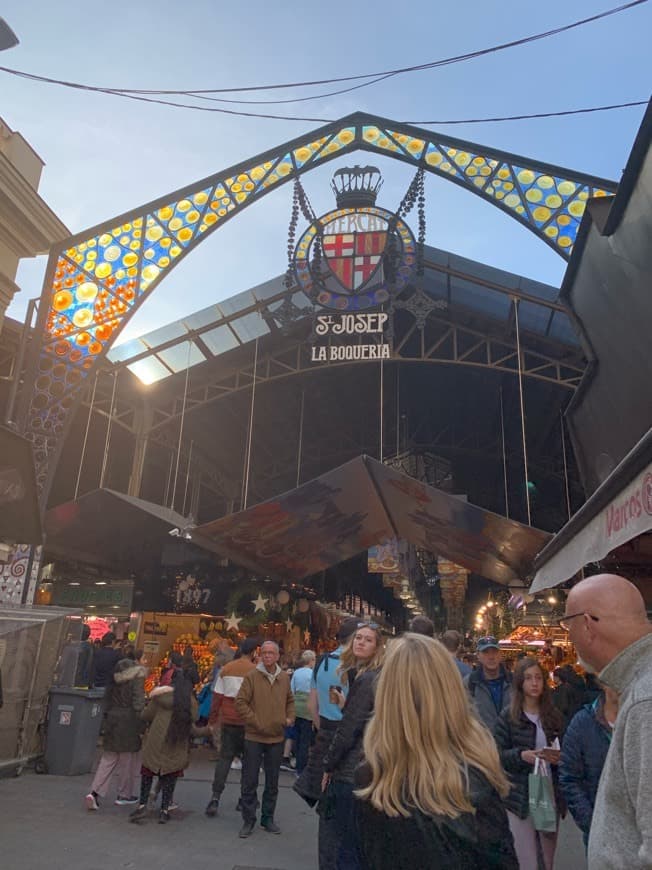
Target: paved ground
x=44, y=824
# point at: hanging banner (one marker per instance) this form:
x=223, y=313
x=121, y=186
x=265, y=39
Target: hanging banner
x=383, y=558
x=363, y=327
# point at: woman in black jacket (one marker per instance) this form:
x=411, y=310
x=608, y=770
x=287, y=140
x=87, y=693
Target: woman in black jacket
x=364, y=652
x=430, y=790
x=524, y=731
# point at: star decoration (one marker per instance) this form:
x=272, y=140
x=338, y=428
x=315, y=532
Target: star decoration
x=259, y=603
x=233, y=622
x=289, y=625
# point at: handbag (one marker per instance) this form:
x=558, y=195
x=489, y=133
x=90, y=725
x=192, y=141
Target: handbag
x=541, y=798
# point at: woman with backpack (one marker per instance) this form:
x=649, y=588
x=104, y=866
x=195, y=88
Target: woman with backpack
x=170, y=713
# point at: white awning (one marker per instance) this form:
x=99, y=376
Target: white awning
x=626, y=516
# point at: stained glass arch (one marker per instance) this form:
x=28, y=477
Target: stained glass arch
x=97, y=279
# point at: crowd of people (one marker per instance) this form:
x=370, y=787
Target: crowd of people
x=406, y=750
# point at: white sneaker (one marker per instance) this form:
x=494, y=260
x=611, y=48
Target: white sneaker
x=91, y=802
x=236, y=764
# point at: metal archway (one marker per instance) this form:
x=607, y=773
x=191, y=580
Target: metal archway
x=97, y=279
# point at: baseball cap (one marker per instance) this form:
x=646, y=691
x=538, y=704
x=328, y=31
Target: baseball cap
x=347, y=627
x=488, y=642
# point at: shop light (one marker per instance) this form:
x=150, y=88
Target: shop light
x=73, y=583
x=552, y=599
x=100, y=582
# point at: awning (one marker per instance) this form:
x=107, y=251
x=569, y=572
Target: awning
x=115, y=529
x=351, y=508
x=20, y=518
x=619, y=510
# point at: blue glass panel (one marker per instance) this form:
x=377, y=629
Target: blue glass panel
x=533, y=317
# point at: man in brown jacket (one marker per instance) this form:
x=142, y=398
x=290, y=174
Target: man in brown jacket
x=266, y=706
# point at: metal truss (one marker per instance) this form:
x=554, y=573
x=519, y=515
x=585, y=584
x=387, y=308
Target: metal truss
x=97, y=279
x=441, y=342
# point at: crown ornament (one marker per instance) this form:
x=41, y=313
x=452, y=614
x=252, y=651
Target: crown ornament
x=357, y=186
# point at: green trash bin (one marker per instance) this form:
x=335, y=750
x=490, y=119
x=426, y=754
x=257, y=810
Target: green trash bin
x=74, y=726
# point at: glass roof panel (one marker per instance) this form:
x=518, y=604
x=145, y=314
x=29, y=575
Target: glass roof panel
x=127, y=350
x=165, y=333
x=203, y=317
x=561, y=329
x=484, y=272
x=220, y=340
x=536, y=288
x=149, y=370
x=533, y=317
x=178, y=358
x=479, y=298
x=268, y=288
x=249, y=327
x=237, y=303
x=436, y=283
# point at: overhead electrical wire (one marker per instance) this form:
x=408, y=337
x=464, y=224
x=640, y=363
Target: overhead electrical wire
x=152, y=96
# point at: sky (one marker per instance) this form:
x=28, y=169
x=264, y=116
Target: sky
x=105, y=155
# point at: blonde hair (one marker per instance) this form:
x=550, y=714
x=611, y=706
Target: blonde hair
x=348, y=660
x=423, y=736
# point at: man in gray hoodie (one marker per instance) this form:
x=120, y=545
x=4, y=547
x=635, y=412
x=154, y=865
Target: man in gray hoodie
x=606, y=620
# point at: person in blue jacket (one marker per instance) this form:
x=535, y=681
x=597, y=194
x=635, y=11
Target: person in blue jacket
x=583, y=754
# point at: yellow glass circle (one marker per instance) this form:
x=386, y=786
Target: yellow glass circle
x=462, y=159
x=103, y=270
x=192, y=217
x=415, y=146
x=346, y=136
x=183, y=205
x=486, y=170
x=89, y=265
x=479, y=181
x=240, y=197
x=566, y=188
x=284, y=169
x=451, y=152
x=257, y=173
x=512, y=200
x=302, y=154
x=564, y=241
x=132, y=271
x=503, y=173
x=478, y=161
x=551, y=232
x=105, y=239
x=236, y=187
x=86, y=292
x=165, y=213
x=185, y=234
x=175, y=250
x=150, y=272
x=553, y=200
x=520, y=209
x=175, y=224
x=210, y=218
x=129, y=260
x=371, y=133
x=166, y=242
x=545, y=182
x=526, y=176
x=533, y=195
x=471, y=171
x=541, y=213
x=563, y=220
x=499, y=194
x=154, y=233
x=149, y=254
x=434, y=158
x=577, y=208
x=82, y=317
x=243, y=177
x=200, y=198
x=164, y=262
x=507, y=186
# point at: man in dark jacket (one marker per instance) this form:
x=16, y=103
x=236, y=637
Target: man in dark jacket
x=489, y=685
x=104, y=661
x=583, y=754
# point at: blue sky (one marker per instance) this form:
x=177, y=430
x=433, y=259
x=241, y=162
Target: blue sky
x=106, y=155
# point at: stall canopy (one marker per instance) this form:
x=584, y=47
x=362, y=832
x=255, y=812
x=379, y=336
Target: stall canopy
x=619, y=510
x=359, y=504
x=20, y=519
x=120, y=530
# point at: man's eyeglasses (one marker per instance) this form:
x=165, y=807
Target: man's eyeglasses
x=563, y=622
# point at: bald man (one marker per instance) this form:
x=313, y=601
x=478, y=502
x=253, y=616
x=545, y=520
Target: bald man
x=606, y=620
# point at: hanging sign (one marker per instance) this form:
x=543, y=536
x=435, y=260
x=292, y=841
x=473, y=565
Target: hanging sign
x=360, y=326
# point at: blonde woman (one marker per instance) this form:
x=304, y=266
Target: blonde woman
x=430, y=790
x=359, y=667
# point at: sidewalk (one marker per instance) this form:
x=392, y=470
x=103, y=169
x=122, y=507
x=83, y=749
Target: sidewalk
x=44, y=823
